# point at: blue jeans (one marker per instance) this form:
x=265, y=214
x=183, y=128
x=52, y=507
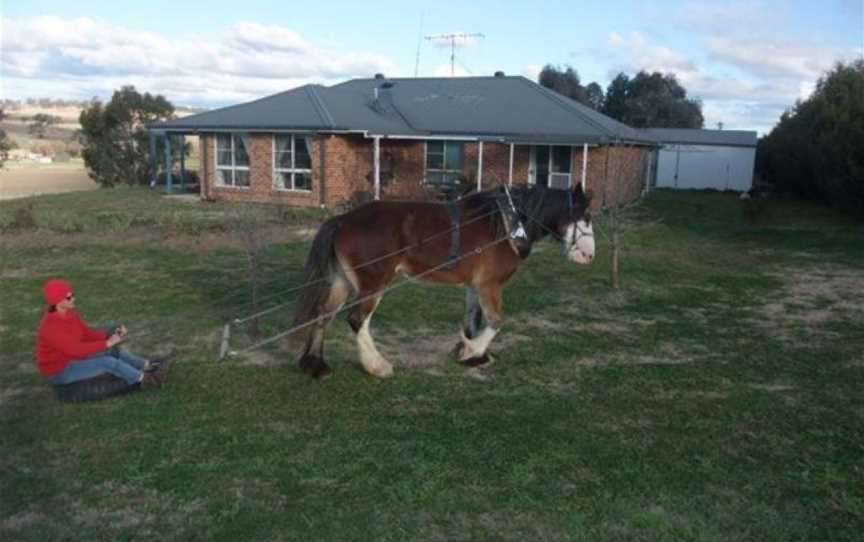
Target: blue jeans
x=117, y=362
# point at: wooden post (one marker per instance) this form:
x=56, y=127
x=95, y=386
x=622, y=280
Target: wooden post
x=479, y=166
x=510, y=174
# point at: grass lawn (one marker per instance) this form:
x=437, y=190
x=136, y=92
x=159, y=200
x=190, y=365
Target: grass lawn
x=719, y=395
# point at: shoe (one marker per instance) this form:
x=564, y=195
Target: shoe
x=152, y=380
x=160, y=363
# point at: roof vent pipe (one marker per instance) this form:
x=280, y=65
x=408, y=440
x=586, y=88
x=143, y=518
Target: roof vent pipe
x=499, y=74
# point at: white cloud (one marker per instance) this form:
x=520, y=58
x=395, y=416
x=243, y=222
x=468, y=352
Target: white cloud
x=270, y=38
x=79, y=58
x=744, y=81
x=637, y=53
x=726, y=17
x=776, y=58
x=532, y=71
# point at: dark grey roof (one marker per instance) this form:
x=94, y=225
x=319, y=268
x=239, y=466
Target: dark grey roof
x=508, y=108
x=727, y=138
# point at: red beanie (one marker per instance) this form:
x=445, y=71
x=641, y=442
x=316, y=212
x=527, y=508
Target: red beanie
x=56, y=290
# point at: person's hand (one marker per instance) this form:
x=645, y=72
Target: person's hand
x=113, y=340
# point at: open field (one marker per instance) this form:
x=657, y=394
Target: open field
x=717, y=396
x=23, y=180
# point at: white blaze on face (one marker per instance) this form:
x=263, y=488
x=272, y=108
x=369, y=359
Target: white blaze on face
x=579, y=242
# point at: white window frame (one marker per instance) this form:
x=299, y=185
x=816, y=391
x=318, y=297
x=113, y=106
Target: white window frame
x=233, y=168
x=293, y=170
x=445, y=142
x=532, y=164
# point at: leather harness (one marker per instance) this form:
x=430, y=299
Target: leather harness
x=517, y=236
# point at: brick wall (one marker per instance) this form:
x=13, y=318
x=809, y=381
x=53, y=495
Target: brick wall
x=261, y=188
x=615, y=175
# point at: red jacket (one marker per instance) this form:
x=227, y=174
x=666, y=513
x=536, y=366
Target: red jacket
x=65, y=338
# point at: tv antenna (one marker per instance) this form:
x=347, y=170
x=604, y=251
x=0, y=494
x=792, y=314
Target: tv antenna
x=419, y=34
x=453, y=37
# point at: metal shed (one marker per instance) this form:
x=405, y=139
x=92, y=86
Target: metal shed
x=703, y=159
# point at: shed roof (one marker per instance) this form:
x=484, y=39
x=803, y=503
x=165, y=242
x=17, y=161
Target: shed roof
x=507, y=108
x=727, y=138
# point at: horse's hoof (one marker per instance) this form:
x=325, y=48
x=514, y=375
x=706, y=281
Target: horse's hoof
x=478, y=361
x=384, y=371
x=315, y=367
x=457, y=351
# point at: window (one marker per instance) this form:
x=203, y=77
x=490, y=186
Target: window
x=232, y=159
x=444, y=162
x=292, y=163
x=550, y=165
x=559, y=174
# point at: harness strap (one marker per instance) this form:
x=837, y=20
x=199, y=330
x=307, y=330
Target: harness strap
x=517, y=236
x=455, y=236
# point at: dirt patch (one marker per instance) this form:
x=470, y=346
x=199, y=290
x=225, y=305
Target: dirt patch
x=8, y=394
x=664, y=354
x=258, y=358
x=772, y=388
x=22, y=520
x=417, y=349
x=424, y=349
x=18, y=181
x=812, y=298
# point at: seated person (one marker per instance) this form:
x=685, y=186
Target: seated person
x=68, y=350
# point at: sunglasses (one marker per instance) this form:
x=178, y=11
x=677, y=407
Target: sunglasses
x=70, y=296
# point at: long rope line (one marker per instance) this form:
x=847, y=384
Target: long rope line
x=379, y=293
x=149, y=328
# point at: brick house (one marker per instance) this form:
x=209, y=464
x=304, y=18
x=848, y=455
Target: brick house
x=410, y=138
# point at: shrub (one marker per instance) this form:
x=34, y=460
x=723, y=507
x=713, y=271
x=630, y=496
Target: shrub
x=815, y=150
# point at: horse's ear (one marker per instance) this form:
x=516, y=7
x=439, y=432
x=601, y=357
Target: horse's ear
x=587, y=193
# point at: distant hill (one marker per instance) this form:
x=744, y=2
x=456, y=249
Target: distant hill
x=60, y=138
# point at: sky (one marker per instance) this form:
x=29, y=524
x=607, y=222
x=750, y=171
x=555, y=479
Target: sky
x=746, y=61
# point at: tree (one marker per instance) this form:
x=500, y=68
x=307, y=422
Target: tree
x=114, y=136
x=6, y=145
x=652, y=101
x=595, y=95
x=815, y=149
x=40, y=122
x=566, y=81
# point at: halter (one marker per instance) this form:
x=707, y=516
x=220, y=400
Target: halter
x=571, y=209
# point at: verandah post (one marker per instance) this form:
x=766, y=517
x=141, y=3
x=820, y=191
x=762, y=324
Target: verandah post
x=584, y=164
x=182, y=162
x=168, y=162
x=152, y=158
x=479, y=166
x=376, y=145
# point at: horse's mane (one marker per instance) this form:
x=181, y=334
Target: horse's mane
x=539, y=207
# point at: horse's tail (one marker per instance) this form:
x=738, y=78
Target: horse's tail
x=321, y=268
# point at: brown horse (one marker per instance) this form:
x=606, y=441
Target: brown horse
x=477, y=242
